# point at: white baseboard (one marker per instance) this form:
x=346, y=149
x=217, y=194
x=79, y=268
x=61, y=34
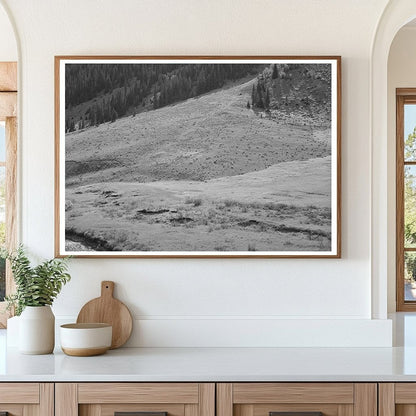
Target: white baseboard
x=189, y=332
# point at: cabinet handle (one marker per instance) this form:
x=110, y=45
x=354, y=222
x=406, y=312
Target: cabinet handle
x=138, y=414
x=295, y=413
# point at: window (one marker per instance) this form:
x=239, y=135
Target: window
x=8, y=169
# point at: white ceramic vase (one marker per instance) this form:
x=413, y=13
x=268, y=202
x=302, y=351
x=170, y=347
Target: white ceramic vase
x=37, y=330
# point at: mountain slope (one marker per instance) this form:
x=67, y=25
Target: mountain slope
x=207, y=137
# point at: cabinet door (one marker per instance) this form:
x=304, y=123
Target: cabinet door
x=26, y=399
x=141, y=399
x=297, y=399
x=397, y=399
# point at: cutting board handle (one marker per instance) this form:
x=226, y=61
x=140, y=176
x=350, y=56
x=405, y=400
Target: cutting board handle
x=107, y=288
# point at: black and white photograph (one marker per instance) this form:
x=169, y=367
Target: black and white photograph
x=205, y=157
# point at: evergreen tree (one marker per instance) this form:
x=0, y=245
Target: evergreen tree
x=267, y=100
x=259, y=95
x=100, y=114
x=253, y=95
x=114, y=115
x=275, y=74
x=72, y=125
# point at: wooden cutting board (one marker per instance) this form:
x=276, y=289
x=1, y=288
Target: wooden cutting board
x=107, y=309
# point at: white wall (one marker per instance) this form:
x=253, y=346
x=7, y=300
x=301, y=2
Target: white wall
x=8, y=47
x=202, y=299
x=401, y=74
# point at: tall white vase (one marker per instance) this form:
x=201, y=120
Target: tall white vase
x=37, y=330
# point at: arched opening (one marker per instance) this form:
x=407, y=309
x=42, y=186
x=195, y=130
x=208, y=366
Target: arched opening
x=401, y=93
x=8, y=151
x=396, y=15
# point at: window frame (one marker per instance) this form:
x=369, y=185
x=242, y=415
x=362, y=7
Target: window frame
x=8, y=114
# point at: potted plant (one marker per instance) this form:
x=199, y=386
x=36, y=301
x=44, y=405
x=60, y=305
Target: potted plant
x=36, y=289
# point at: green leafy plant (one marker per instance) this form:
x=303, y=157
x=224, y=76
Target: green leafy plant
x=35, y=285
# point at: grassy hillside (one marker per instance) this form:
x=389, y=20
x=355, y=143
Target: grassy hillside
x=207, y=137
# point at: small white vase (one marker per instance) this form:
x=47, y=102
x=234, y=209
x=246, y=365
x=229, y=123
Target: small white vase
x=37, y=330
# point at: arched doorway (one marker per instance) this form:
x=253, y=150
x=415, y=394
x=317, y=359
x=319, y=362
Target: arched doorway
x=396, y=15
x=8, y=150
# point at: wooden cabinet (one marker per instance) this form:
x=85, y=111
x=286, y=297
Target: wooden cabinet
x=208, y=399
x=263, y=399
x=106, y=399
x=397, y=399
x=27, y=399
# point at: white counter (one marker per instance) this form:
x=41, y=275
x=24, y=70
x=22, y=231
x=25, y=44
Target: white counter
x=222, y=364
x=216, y=364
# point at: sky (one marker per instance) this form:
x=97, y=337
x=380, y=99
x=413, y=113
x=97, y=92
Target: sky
x=409, y=119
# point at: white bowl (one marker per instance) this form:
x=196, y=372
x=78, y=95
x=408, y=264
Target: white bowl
x=83, y=340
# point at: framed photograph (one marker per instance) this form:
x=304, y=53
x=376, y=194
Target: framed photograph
x=198, y=156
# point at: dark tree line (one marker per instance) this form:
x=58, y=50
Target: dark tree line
x=119, y=89
x=83, y=82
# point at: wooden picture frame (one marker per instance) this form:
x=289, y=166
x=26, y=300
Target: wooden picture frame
x=198, y=156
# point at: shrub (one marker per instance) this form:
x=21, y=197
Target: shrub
x=196, y=201
x=35, y=286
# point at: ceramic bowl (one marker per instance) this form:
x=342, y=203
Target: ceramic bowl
x=84, y=340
